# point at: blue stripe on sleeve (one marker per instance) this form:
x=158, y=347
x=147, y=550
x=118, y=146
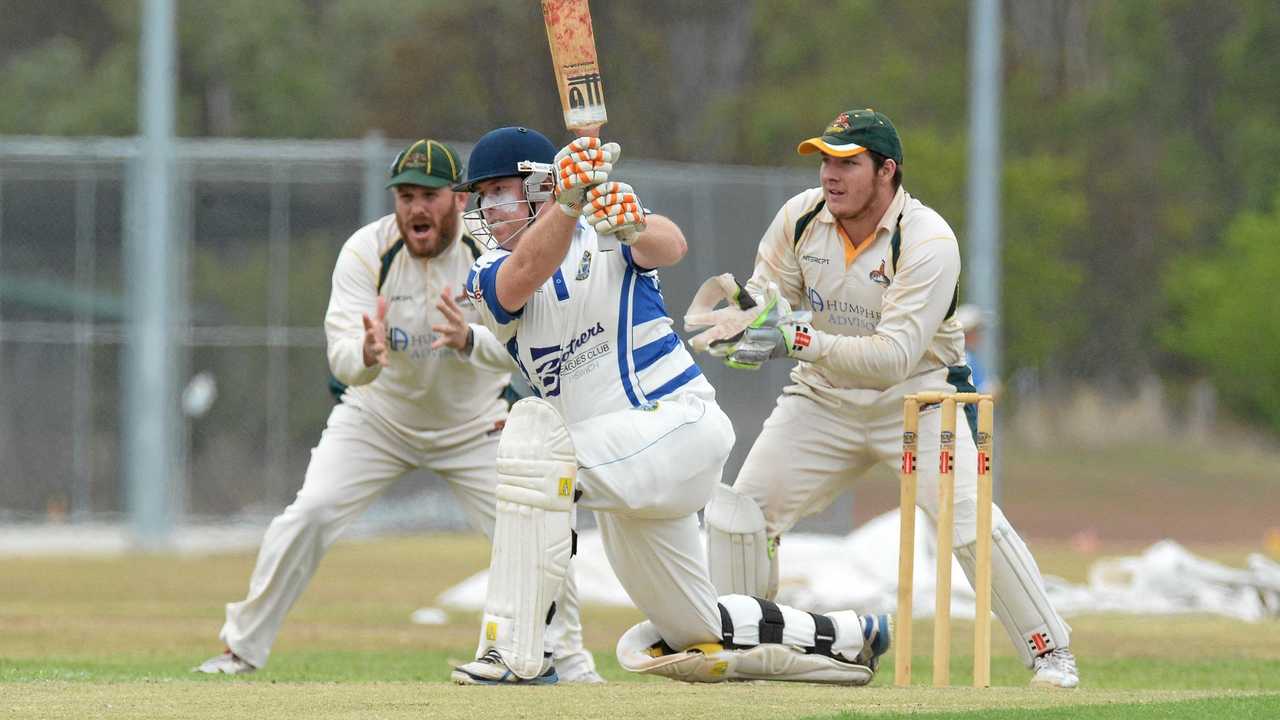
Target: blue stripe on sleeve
x=489, y=290
x=624, y=330
x=648, y=302
x=676, y=382
x=631, y=260
x=646, y=355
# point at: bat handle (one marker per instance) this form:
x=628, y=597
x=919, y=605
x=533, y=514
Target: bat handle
x=607, y=243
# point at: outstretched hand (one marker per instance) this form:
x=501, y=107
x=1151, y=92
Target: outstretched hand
x=454, y=332
x=375, y=336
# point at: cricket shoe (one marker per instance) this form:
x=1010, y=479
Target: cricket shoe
x=877, y=634
x=489, y=669
x=228, y=663
x=1056, y=669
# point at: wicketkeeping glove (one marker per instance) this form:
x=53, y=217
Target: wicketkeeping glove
x=750, y=330
x=613, y=209
x=579, y=165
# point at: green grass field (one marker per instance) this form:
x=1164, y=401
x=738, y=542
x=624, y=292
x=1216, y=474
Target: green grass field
x=116, y=638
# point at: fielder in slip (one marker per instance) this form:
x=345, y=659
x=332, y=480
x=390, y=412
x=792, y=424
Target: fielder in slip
x=424, y=390
x=872, y=273
x=625, y=424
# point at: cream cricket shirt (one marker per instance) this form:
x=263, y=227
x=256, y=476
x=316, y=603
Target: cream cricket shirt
x=422, y=393
x=875, y=325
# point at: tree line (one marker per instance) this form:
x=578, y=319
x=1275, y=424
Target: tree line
x=1141, y=139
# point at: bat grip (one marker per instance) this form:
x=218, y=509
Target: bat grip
x=607, y=243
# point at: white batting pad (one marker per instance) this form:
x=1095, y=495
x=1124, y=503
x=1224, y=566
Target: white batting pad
x=738, y=552
x=798, y=627
x=638, y=652
x=532, y=542
x=1018, y=595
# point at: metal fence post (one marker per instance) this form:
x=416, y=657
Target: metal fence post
x=373, y=196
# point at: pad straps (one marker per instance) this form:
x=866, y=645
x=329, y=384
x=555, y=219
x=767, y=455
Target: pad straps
x=726, y=627
x=824, y=634
x=771, y=621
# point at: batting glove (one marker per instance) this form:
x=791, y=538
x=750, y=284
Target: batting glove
x=579, y=165
x=615, y=210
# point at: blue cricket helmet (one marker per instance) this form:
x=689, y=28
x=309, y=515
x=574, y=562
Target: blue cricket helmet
x=496, y=154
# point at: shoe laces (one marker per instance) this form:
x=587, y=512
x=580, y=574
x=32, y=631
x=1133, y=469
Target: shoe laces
x=492, y=657
x=1058, y=659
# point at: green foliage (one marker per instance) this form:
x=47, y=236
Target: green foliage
x=260, y=60
x=53, y=89
x=1227, y=318
x=1132, y=131
x=1044, y=212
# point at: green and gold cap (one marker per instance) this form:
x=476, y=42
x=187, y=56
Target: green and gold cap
x=428, y=163
x=854, y=131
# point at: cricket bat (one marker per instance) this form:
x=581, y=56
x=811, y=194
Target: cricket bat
x=573, y=55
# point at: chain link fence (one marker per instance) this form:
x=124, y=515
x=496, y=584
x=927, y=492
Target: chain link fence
x=259, y=225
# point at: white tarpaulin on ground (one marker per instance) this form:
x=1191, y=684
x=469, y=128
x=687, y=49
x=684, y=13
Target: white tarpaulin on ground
x=859, y=571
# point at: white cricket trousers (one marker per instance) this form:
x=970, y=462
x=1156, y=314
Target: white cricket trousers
x=358, y=458
x=645, y=473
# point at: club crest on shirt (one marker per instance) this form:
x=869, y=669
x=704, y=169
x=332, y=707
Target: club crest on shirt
x=878, y=276
x=815, y=300
x=584, y=267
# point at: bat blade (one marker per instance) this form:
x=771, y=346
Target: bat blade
x=573, y=55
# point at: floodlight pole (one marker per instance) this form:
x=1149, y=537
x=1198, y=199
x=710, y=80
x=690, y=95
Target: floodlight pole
x=982, y=264
x=151, y=422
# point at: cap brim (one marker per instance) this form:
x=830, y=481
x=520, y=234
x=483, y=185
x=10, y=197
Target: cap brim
x=818, y=145
x=417, y=177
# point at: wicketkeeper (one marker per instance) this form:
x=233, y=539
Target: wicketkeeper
x=624, y=424
x=857, y=280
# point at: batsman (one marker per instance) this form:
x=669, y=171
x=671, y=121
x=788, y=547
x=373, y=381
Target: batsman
x=624, y=424
x=857, y=280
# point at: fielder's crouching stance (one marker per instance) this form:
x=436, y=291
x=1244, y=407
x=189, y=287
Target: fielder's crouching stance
x=624, y=424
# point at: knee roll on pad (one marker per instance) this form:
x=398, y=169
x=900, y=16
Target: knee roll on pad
x=533, y=536
x=1018, y=596
x=739, y=554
